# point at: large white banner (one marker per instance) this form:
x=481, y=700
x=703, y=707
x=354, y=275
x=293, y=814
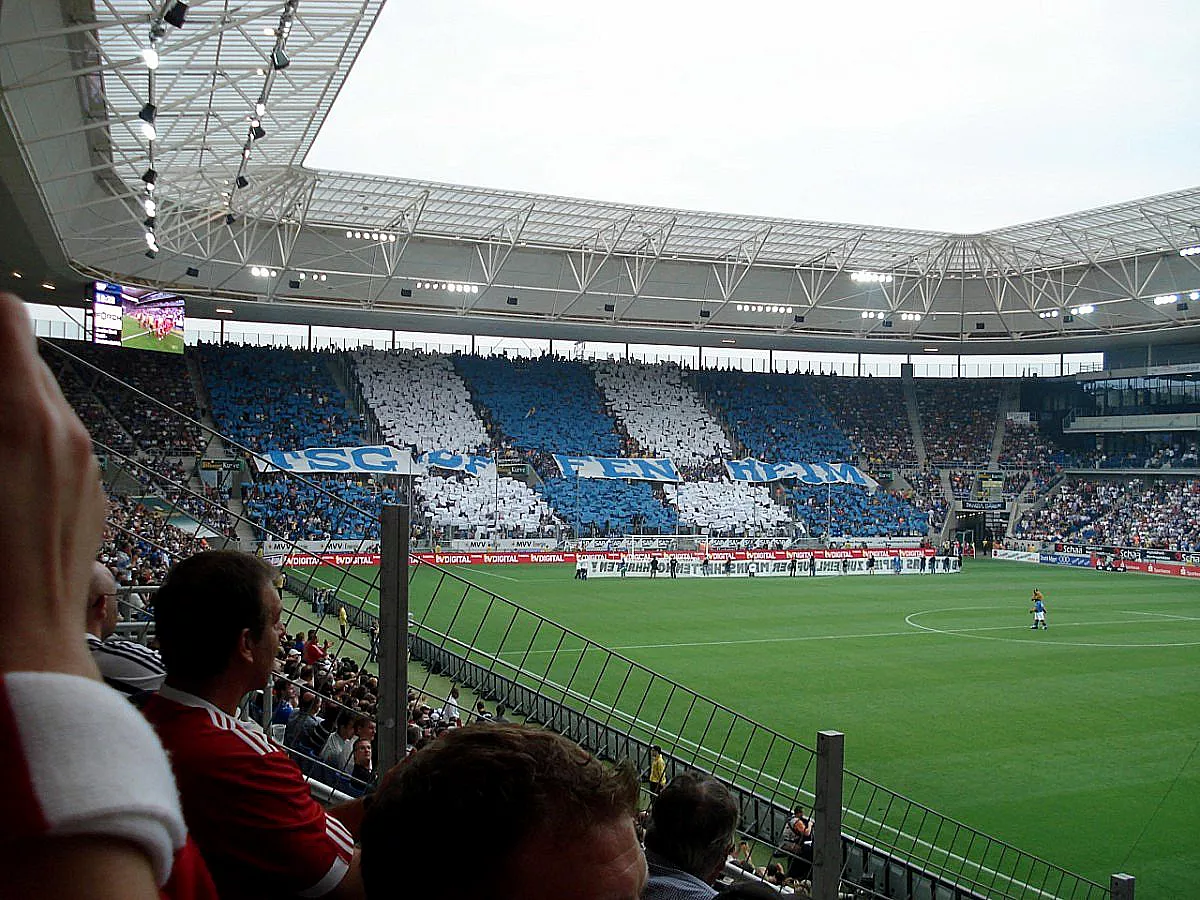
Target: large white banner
x=377, y=460
x=471, y=463
x=608, y=467
x=756, y=471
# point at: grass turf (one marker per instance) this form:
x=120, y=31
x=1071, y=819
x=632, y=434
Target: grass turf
x=1077, y=744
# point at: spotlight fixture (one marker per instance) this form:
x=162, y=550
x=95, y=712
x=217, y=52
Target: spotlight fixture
x=258, y=132
x=1194, y=295
x=149, y=205
x=279, y=60
x=193, y=272
x=705, y=314
x=294, y=284
x=612, y=307
x=150, y=177
x=150, y=58
x=49, y=286
x=242, y=181
x=871, y=278
x=1190, y=251
x=150, y=222
x=151, y=254
x=177, y=14
x=230, y=218
x=511, y=301
x=147, y=115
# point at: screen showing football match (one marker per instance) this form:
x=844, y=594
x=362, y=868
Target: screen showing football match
x=142, y=318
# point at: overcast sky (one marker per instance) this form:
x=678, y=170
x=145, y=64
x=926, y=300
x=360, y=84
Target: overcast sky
x=954, y=116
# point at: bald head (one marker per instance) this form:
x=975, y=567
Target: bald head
x=101, y=602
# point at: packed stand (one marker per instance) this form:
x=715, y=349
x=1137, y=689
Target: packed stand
x=661, y=412
x=321, y=507
x=777, y=418
x=873, y=415
x=164, y=376
x=1162, y=514
x=958, y=421
x=550, y=405
x=928, y=495
x=1176, y=452
x=104, y=429
x=419, y=401
x=850, y=511
x=470, y=505
x=1025, y=447
x=721, y=508
x=140, y=545
x=277, y=399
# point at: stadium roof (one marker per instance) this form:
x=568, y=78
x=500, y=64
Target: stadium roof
x=240, y=92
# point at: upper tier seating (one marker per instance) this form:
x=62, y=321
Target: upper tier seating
x=468, y=504
x=728, y=508
x=546, y=404
x=661, y=412
x=872, y=413
x=958, y=421
x=103, y=428
x=777, y=418
x=419, y=401
x=1026, y=447
x=1134, y=513
x=163, y=376
x=287, y=508
x=277, y=399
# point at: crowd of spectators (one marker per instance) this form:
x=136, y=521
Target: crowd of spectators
x=722, y=508
x=661, y=412
x=928, y=494
x=104, y=429
x=162, y=376
x=277, y=399
x=473, y=505
x=1172, y=452
x=140, y=545
x=958, y=420
x=847, y=510
x=776, y=418
x=873, y=415
x=1120, y=513
x=601, y=507
x=419, y=401
x=342, y=507
x=1026, y=446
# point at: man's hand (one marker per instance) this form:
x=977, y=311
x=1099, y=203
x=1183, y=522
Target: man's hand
x=52, y=510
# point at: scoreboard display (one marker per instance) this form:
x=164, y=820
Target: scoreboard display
x=143, y=318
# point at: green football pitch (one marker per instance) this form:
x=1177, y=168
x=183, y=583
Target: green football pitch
x=1077, y=744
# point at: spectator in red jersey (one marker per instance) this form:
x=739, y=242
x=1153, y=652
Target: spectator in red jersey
x=108, y=822
x=314, y=652
x=245, y=800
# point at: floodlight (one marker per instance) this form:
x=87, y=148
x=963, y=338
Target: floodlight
x=176, y=14
x=258, y=132
x=279, y=59
x=242, y=181
x=150, y=58
x=149, y=206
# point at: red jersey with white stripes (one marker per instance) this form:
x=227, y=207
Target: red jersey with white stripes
x=246, y=804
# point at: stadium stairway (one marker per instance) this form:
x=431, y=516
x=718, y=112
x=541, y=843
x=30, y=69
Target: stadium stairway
x=1010, y=401
x=914, y=422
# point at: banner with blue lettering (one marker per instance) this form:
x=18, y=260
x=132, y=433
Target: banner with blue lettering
x=758, y=472
x=607, y=467
x=339, y=460
x=471, y=463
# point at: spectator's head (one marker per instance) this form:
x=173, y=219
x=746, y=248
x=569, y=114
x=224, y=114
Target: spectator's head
x=312, y=635
x=692, y=825
x=217, y=619
x=362, y=753
x=364, y=728
x=559, y=823
x=101, y=602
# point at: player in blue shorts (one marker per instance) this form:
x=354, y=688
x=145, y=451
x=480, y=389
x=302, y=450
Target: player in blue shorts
x=1039, y=611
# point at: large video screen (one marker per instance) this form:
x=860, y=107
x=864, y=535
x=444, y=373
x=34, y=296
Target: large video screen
x=142, y=318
